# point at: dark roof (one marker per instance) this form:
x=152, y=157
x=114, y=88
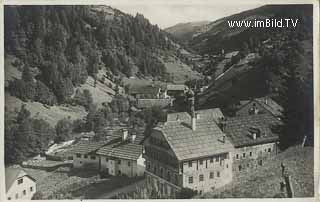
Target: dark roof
x=271, y=106
x=237, y=129
x=147, y=103
x=208, y=114
x=186, y=143
x=122, y=150
x=86, y=147
x=12, y=174
x=144, y=90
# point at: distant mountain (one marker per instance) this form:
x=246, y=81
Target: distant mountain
x=185, y=31
x=220, y=36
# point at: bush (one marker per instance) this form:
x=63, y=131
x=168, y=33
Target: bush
x=186, y=193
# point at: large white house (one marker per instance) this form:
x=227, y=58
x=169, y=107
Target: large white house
x=19, y=185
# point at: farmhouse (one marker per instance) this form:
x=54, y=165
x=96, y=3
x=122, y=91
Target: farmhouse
x=173, y=90
x=254, y=138
x=119, y=154
x=145, y=92
x=189, y=150
x=19, y=185
x=259, y=106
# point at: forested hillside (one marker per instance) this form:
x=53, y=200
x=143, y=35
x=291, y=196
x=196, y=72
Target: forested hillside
x=59, y=46
x=281, y=66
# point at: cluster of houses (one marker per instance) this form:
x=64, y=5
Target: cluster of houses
x=204, y=150
x=157, y=95
x=198, y=149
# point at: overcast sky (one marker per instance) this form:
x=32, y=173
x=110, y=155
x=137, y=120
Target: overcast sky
x=169, y=13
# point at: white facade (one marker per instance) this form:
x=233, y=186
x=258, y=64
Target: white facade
x=86, y=161
x=130, y=168
x=22, y=188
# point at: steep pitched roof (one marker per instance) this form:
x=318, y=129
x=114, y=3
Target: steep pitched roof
x=208, y=114
x=270, y=105
x=267, y=103
x=123, y=150
x=12, y=174
x=237, y=129
x=186, y=143
x=86, y=147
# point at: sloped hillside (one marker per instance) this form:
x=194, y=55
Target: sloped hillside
x=186, y=31
x=67, y=44
x=265, y=182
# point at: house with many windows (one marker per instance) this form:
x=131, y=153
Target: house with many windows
x=19, y=184
x=189, y=150
x=119, y=154
x=255, y=139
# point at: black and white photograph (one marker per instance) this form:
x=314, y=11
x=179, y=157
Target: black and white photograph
x=160, y=100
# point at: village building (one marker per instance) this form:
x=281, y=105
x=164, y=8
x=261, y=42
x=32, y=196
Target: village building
x=188, y=151
x=146, y=92
x=19, y=184
x=120, y=153
x=148, y=103
x=255, y=139
x=175, y=90
x=259, y=106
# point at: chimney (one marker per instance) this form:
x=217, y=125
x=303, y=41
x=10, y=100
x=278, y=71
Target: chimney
x=254, y=136
x=266, y=100
x=124, y=134
x=133, y=138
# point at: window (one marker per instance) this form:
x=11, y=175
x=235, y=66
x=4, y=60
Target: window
x=106, y=160
x=80, y=162
x=119, y=162
x=31, y=189
x=211, y=175
x=260, y=162
x=85, y=156
x=149, y=166
x=176, y=179
x=244, y=155
x=190, y=164
x=237, y=156
x=218, y=174
x=119, y=172
x=155, y=170
x=217, y=159
x=78, y=155
x=24, y=192
x=190, y=180
x=250, y=154
x=129, y=163
x=168, y=176
x=161, y=172
x=17, y=196
x=20, y=181
x=200, y=178
x=227, y=166
x=201, y=162
x=93, y=157
x=9, y=198
x=211, y=160
x=269, y=150
x=240, y=167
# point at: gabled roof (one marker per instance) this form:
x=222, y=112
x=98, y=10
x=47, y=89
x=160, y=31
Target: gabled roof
x=186, y=143
x=86, y=147
x=147, y=103
x=144, y=90
x=237, y=129
x=122, y=150
x=267, y=103
x=208, y=114
x=12, y=174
